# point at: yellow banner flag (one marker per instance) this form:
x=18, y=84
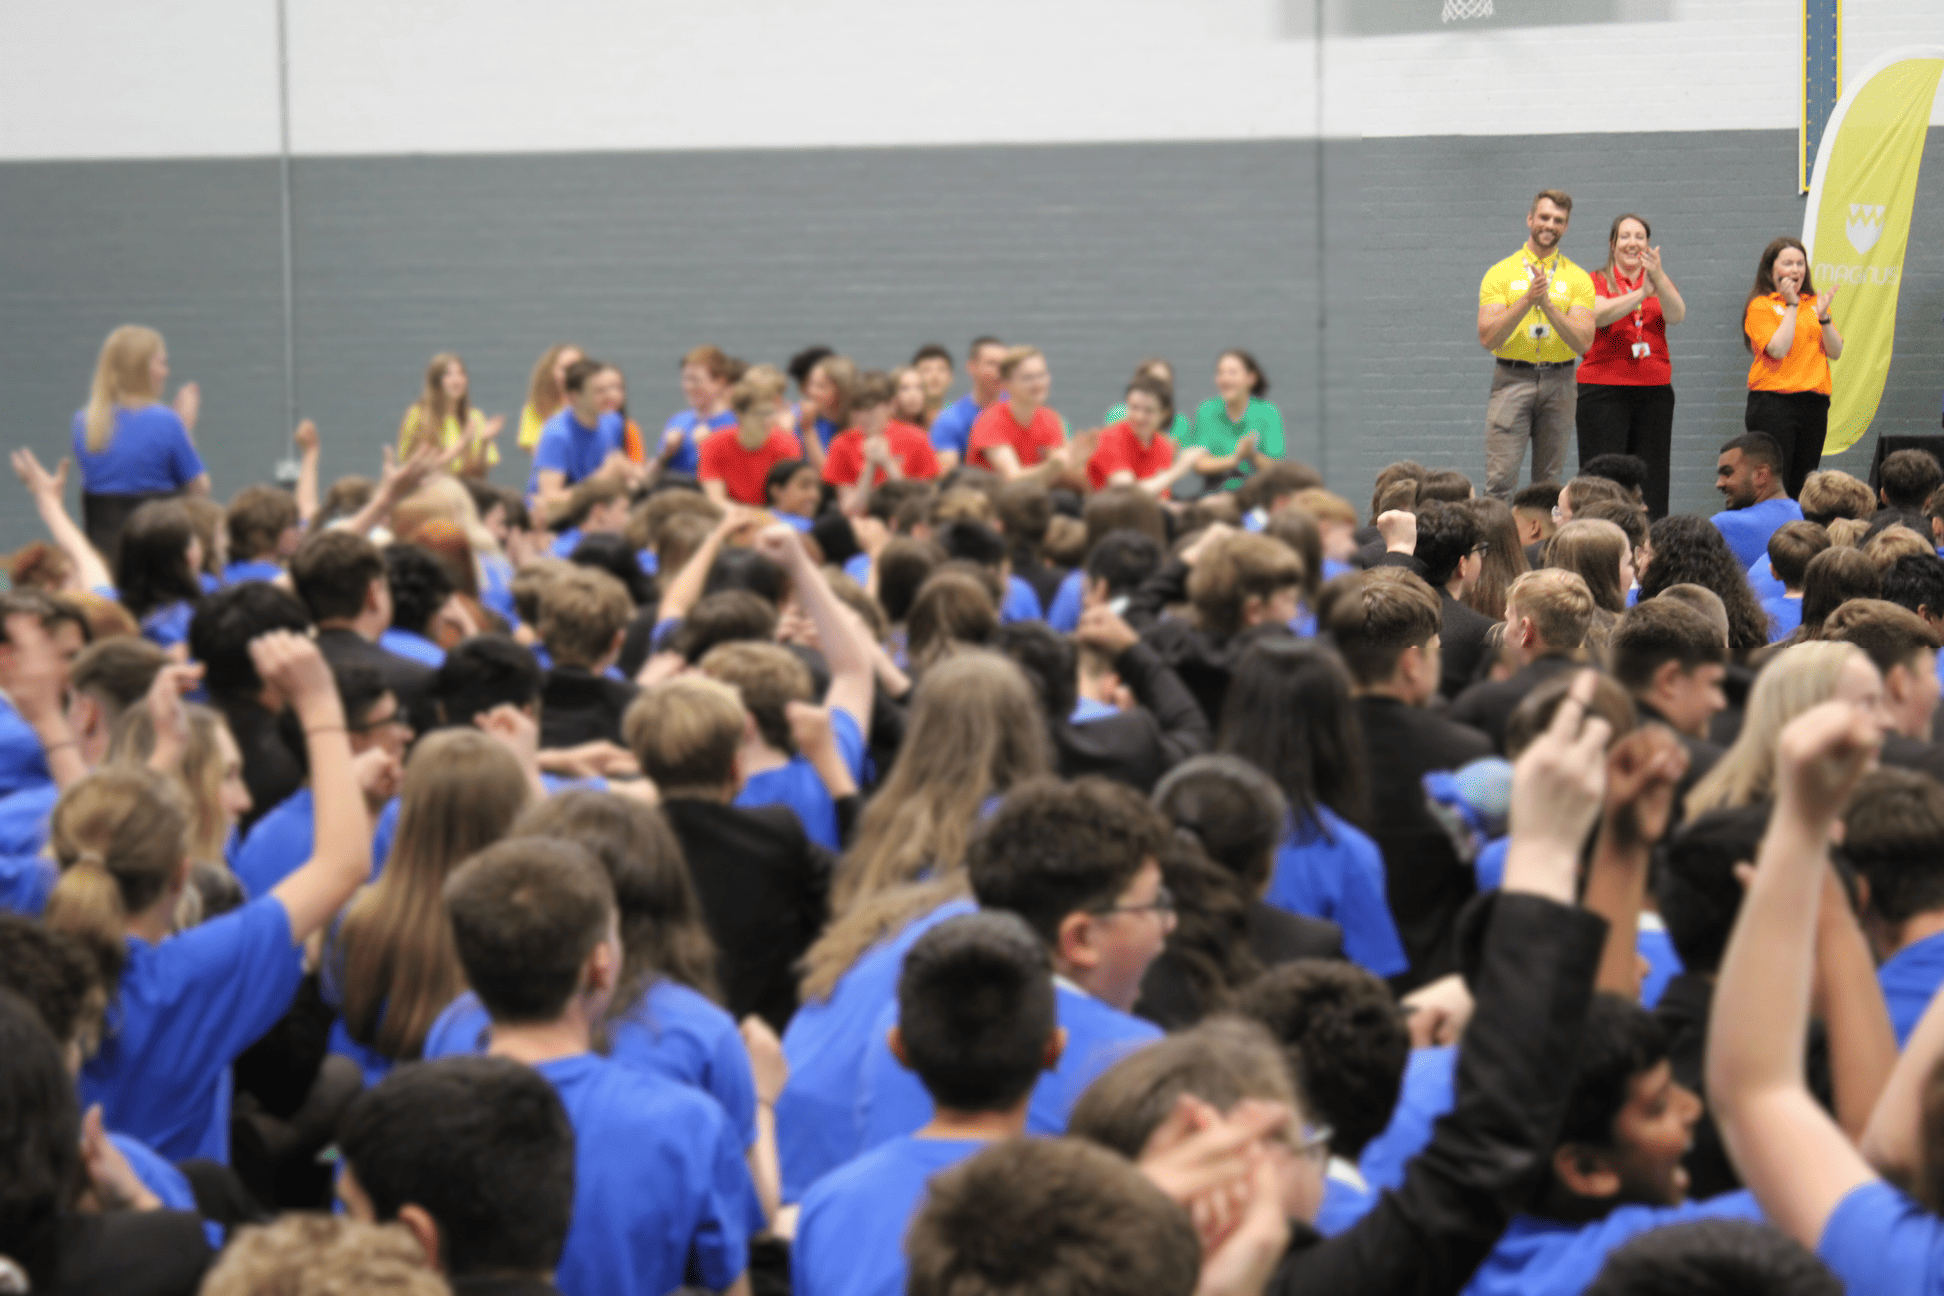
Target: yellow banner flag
x=1858, y=223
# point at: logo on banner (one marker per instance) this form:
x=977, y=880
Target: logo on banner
x=1864, y=227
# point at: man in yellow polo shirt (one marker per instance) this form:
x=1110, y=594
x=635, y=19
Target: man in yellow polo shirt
x=1535, y=314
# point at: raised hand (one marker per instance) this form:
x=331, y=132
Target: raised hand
x=166, y=713
x=1103, y=628
x=1537, y=286
x=493, y=426
x=1825, y=300
x=1245, y=447
x=38, y=481
x=379, y=774
x=1650, y=260
x=1823, y=753
x=306, y=436
x=1398, y=527
x=779, y=543
x=1642, y=771
x=291, y=664
x=188, y=404
x=515, y=730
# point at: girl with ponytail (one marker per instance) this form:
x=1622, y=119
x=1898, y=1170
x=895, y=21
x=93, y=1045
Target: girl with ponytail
x=185, y=1004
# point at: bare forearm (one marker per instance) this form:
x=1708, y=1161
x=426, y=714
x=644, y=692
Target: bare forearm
x=88, y=562
x=1608, y=309
x=1862, y=1045
x=1893, y=1140
x=1784, y=339
x=1496, y=330
x=1613, y=890
x=1673, y=305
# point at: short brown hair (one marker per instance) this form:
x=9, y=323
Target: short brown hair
x=1016, y=356
x=582, y=609
x=1791, y=548
x=1890, y=635
x=647, y=519
x=1558, y=603
x=1828, y=495
x=685, y=733
x=1221, y=1061
x=769, y=677
x=1124, y=508
x=1534, y=714
x=710, y=357
x=1846, y=532
x=962, y=504
x=116, y=673
x=1658, y=631
x=531, y=581
x=1236, y=568
x=257, y=519
x=586, y=497
x=1325, y=507
x=1050, y=1217
x=874, y=387
x=332, y=571
x=1557, y=197
x=526, y=913
x=1581, y=491
x=1894, y=542
x=1375, y=615
x=761, y=385
x=322, y=1255
x=954, y=606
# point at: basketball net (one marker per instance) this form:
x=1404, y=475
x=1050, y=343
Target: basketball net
x=1460, y=10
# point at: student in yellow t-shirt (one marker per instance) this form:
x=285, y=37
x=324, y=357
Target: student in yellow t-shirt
x=1535, y=315
x=545, y=395
x=446, y=405
x=1788, y=373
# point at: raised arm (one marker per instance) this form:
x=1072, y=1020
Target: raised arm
x=1608, y=309
x=845, y=645
x=685, y=589
x=396, y=480
x=30, y=670
x=1849, y=1001
x=1673, y=305
x=1184, y=725
x=49, y=490
x=307, y=449
x=1789, y=1152
x=1893, y=1140
x=1642, y=771
x=340, y=859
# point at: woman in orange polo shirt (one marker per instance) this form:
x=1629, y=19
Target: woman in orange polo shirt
x=1786, y=329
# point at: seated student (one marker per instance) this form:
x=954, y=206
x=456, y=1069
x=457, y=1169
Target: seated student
x=1135, y=451
x=1079, y=862
x=1547, y=613
x=1261, y=498
x=1749, y=477
x=597, y=506
x=1347, y=1046
x=313, y=1255
x=1827, y=497
x=1227, y=816
x=981, y=545
x=1336, y=522
x=341, y=578
x=420, y=589
x=1447, y=548
x=584, y=438
x=1717, y=1257
x=263, y=533
x=156, y=565
x=1893, y=831
x=1115, y=566
x=763, y=883
x=278, y=842
x=976, y=1024
x=1811, y=1179
x=1616, y=1171
x=1240, y=587
x=1385, y=625
x=1903, y=648
x=475, y=1157
x=1671, y=660
x=707, y=375
x=1789, y=552
x=1534, y=509
x=1117, y=508
x=187, y=1004
x=51, y=1244
x=220, y=637
x=583, y=615
x=659, y=1180
x=792, y=491
x=735, y=461
x=795, y=754
x=892, y=450
x=1907, y=480
x=26, y=740
x=1092, y=735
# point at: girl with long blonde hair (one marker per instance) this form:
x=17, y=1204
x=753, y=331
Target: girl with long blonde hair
x=1797, y=679
x=391, y=963
x=209, y=776
x=545, y=392
x=444, y=409
x=131, y=447
x=976, y=732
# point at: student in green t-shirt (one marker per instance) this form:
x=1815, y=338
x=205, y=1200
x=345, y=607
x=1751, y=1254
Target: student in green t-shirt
x=1162, y=372
x=1237, y=430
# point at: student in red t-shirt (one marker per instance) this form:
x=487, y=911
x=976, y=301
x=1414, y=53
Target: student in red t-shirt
x=735, y=461
x=891, y=449
x=1021, y=437
x=1135, y=451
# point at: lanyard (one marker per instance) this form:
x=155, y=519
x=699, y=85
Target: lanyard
x=1641, y=348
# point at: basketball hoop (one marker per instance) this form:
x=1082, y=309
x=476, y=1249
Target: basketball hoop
x=1462, y=10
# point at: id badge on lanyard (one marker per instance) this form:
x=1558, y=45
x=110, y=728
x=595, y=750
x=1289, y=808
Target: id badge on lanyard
x=1641, y=347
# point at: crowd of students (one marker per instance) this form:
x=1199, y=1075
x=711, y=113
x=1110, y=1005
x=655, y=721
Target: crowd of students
x=877, y=842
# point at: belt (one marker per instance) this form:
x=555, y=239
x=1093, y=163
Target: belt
x=1543, y=364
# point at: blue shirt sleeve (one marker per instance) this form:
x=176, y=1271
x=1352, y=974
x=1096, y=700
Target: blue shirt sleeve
x=850, y=742
x=184, y=463
x=730, y=1212
x=1370, y=936
x=1064, y=615
x=731, y=1082
x=244, y=968
x=552, y=454
x=1878, y=1240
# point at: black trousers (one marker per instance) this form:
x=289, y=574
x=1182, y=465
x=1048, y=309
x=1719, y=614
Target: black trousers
x=1799, y=422
x=1612, y=419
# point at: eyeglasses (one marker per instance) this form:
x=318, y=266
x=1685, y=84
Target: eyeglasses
x=1308, y=1141
x=1482, y=548
x=396, y=720
x=1163, y=903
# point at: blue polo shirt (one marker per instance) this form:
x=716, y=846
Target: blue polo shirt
x=22, y=762
x=1068, y=600
x=825, y=1043
x=951, y=429
x=415, y=647
x=168, y=625
x=496, y=590
x=183, y=1012
x=1747, y=531
x=797, y=785
x=1346, y=1198
x=1763, y=580
x=672, y=1031
x=283, y=840
x=689, y=456
x=571, y=448
x=256, y=569
x=1540, y=1257
x=850, y=1235
x=149, y=454
x=25, y=883
x=24, y=816
x=892, y=1101
x=1329, y=868
x=1879, y=1240
x=1909, y=978
x=1022, y=602
x=1430, y=1089
x=658, y=1181
x=1784, y=615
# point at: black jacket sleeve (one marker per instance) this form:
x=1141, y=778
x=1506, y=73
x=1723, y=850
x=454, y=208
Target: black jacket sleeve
x=1486, y=1156
x=1184, y=729
x=1166, y=586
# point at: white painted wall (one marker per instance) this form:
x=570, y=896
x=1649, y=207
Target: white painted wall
x=136, y=78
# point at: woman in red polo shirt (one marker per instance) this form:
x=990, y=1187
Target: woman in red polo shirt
x=1788, y=333
x=1626, y=380
x=1135, y=451
x=1020, y=436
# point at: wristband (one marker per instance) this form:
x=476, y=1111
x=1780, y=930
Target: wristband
x=1823, y=320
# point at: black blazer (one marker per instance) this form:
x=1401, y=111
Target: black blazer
x=578, y=706
x=1462, y=644
x=1487, y=705
x=409, y=681
x=1137, y=747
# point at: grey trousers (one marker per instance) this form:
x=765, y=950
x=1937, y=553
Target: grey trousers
x=1535, y=405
